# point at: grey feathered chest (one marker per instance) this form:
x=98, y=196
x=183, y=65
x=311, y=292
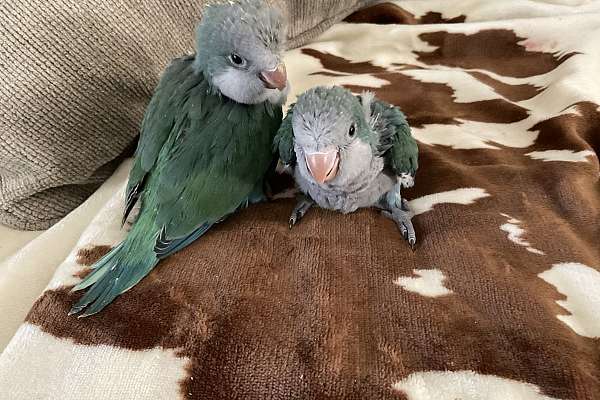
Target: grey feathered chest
x=349, y=152
x=362, y=190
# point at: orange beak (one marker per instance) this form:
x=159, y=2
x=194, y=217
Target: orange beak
x=274, y=79
x=323, y=166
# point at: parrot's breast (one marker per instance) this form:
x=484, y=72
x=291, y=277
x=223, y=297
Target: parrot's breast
x=347, y=196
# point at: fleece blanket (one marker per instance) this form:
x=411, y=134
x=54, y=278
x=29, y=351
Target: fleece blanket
x=499, y=301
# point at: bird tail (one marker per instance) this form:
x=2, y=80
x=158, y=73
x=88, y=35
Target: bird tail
x=115, y=273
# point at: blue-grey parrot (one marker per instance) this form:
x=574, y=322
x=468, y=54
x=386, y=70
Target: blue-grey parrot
x=349, y=152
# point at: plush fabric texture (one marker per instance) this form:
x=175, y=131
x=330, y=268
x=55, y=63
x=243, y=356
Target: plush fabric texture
x=75, y=78
x=499, y=301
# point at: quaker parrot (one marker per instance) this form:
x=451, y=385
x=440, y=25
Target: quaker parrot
x=205, y=143
x=348, y=152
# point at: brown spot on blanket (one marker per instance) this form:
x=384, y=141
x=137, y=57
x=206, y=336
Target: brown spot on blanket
x=439, y=106
x=388, y=13
x=88, y=256
x=496, y=50
x=340, y=64
x=511, y=92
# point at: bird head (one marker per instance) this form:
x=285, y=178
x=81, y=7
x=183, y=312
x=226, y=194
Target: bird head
x=332, y=135
x=239, y=47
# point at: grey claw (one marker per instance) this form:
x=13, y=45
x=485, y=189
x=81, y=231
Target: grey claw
x=412, y=244
x=403, y=231
x=402, y=218
x=294, y=219
x=301, y=208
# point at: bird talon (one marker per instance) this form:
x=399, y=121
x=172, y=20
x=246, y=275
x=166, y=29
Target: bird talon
x=402, y=218
x=299, y=211
x=292, y=221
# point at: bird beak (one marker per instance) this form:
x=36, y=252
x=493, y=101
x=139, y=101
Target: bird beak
x=323, y=166
x=275, y=78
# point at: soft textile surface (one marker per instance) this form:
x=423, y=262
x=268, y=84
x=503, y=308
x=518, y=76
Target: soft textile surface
x=499, y=301
x=25, y=274
x=13, y=240
x=75, y=78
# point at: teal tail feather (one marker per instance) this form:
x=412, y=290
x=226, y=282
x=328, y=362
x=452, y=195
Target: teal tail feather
x=115, y=273
x=164, y=248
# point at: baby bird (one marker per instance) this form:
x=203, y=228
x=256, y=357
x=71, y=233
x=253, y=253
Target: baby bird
x=349, y=152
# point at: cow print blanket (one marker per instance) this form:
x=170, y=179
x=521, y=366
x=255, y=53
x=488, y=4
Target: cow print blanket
x=501, y=299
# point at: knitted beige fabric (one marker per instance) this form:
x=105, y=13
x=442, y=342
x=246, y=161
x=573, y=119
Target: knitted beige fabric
x=75, y=78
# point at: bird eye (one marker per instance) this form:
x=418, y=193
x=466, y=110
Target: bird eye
x=352, y=130
x=236, y=59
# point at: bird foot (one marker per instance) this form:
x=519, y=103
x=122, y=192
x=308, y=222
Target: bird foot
x=303, y=205
x=402, y=216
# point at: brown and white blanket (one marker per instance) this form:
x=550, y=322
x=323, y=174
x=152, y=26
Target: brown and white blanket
x=501, y=299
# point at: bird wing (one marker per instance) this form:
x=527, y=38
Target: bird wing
x=216, y=155
x=284, y=139
x=156, y=126
x=396, y=144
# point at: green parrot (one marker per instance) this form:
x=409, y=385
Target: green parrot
x=205, y=144
x=349, y=152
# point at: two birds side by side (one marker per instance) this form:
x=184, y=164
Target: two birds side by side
x=213, y=130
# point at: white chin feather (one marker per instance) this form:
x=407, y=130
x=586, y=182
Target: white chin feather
x=234, y=84
x=278, y=97
x=237, y=86
x=406, y=180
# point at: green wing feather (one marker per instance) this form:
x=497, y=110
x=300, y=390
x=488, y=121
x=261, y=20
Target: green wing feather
x=156, y=127
x=284, y=140
x=212, y=168
x=396, y=143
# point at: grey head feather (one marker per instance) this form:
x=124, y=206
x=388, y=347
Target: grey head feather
x=377, y=124
x=247, y=30
x=323, y=117
x=366, y=99
x=321, y=122
x=380, y=125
